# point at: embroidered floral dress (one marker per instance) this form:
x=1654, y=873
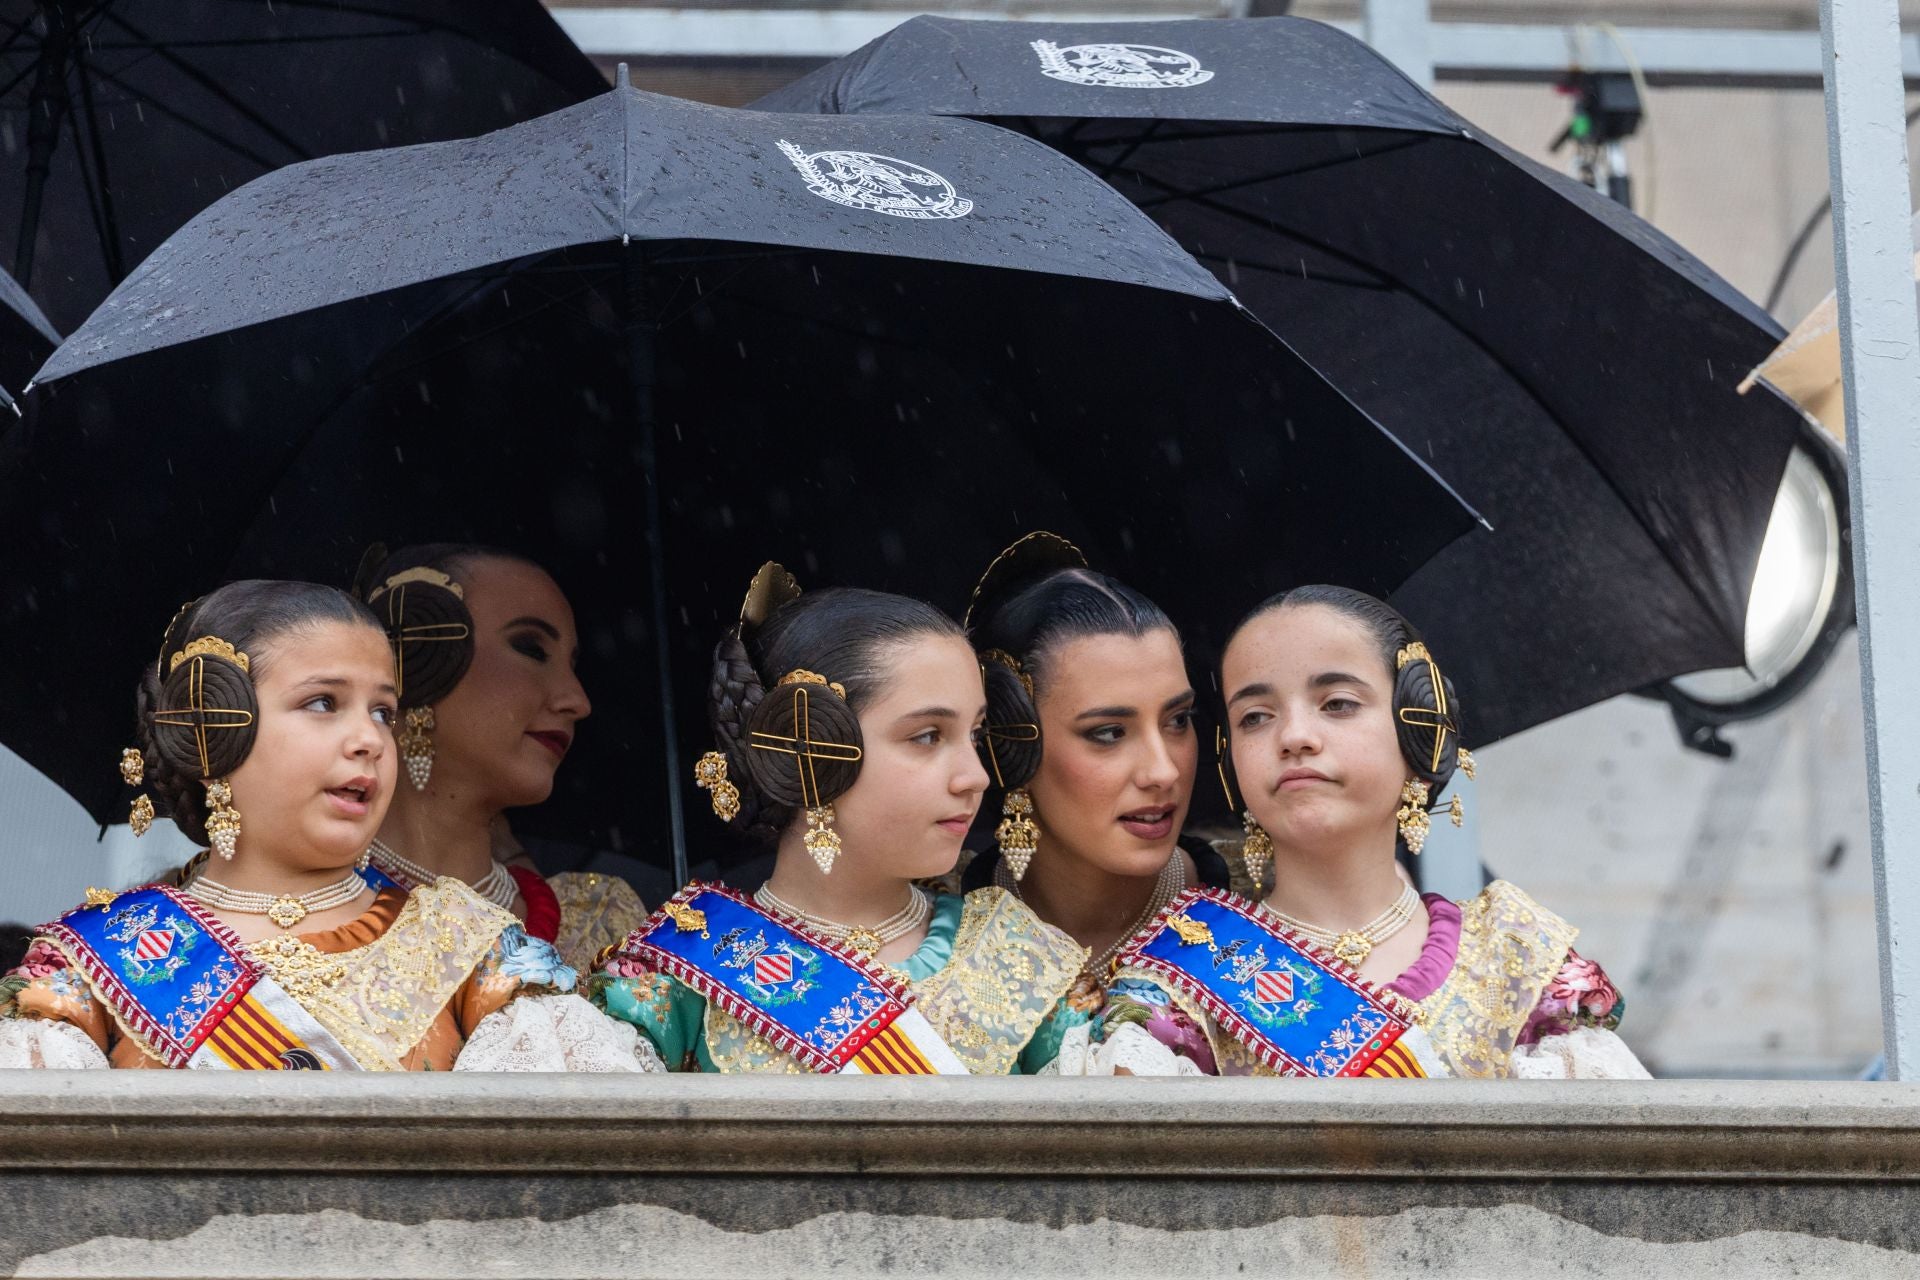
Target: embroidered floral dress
x=1498, y=989
x=990, y=977
x=434, y=980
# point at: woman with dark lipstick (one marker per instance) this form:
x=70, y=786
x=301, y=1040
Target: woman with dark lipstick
x=485, y=646
x=1092, y=747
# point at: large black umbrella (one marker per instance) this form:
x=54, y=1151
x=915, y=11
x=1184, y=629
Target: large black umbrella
x=26, y=337
x=1568, y=368
x=121, y=119
x=653, y=343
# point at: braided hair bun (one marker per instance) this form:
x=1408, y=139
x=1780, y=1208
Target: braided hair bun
x=424, y=613
x=803, y=743
x=207, y=718
x=1426, y=716
x=1010, y=746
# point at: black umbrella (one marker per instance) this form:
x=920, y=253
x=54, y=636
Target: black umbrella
x=121, y=119
x=1569, y=368
x=26, y=338
x=653, y=343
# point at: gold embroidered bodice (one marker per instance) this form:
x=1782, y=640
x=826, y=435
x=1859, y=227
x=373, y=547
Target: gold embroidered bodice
x=1510, y=948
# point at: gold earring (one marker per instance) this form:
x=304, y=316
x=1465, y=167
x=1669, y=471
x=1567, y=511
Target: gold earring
x=1467, y=764
x=710, y=775
x=821, y=840
x=223, y=820
x=1256, y=850
x=1457, y=812
x=133, y=767
x=416, y=746
x=1018, y=835
x=140, y=818
x=1412, y=815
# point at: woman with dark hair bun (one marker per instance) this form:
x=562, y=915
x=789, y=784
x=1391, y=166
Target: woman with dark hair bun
x=846, y=724
x=1344, y=732
x=266, y=729
x=485, y=646
x=1093, y=750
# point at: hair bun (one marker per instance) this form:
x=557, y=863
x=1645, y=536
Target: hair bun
x=208, y=716
x=1426, y=716
x=425, y=616
x=1032, y=557
x=802, y=745
x=1010, y=746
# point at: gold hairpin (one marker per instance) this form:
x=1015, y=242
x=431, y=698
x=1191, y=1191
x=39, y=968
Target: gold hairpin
x=800, y=675
x=422, y=574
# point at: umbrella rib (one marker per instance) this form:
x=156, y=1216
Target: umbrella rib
x=214, y=87
x=244, y=152
x=1316, y=167
x=1520, y=380
x=106, y=225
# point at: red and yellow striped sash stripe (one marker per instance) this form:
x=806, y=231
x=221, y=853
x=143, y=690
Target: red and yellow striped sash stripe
x=250, y=1038
x=1396, y=1063
x=891, y=1053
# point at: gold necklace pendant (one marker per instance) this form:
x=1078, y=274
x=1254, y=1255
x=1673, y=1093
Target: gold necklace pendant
x=865, y=941
x=287, y=911
x=1353, y=947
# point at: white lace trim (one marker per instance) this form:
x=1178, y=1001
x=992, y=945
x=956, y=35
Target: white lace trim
x=1130, y=1048
x=43, y=1044
x=1585, y=1053
x=555, y=1033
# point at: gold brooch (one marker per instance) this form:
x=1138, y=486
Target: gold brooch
x=685, y=918
x=1192, y=932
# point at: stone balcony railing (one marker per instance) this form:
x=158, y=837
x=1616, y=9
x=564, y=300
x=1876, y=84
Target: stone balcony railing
x=192, y=1174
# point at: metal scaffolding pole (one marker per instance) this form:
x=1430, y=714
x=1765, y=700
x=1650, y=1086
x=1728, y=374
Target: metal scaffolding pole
x=1880, y=359
x=1401, y=31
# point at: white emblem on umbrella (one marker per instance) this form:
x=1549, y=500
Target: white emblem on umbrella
x=1120, y=66
x=880, y=184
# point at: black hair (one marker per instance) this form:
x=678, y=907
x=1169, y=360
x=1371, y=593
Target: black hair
x=428, y=626
x=1413, y=681
x=1030, y=626
x=249, y=615
x=844, y=634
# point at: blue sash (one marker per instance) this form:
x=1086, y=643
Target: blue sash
x=169, y=971
x=817, y=1002
x=1298, y=1010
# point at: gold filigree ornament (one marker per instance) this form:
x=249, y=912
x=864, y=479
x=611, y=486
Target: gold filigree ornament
x=710, y=775
x=133, y=767
x=1467, y=764
x=802, y=676
x=1194, y=933
x=101, y=898
x=821, y=840
x=140, y=816
x=223, y=820
x=1018, y=835
x=686, y=919
x=1412, y=815
x=210, y=647
x=416, y=745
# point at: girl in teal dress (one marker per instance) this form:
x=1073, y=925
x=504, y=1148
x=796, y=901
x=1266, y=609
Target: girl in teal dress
x=848, y=724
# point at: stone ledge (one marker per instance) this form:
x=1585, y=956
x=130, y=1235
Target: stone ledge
x=152, y=1121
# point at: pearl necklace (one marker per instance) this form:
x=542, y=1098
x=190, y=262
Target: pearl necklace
x=862, y=938
x=497, y=886
x=1355, y=945
x=284, y=909
x=1171, y=883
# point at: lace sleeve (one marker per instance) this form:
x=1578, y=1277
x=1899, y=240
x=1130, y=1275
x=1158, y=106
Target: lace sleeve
x=555, y=1033
x=1585, y=1053
x=41, y=1043
x=1128, y=1048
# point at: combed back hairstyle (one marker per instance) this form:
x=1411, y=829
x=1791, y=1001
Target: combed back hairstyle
x=428, y=626
x=848, y=635
x=1413, y=683
x=252, y=616
x=1032, y=625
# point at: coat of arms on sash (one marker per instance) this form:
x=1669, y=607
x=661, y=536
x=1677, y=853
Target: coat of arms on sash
x=1295, y=1009
x=824, y=1005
